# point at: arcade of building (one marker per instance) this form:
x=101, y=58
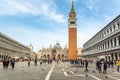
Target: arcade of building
x=11, y=48
x=105, y=43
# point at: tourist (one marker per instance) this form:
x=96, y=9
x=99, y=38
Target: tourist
x=112, y=63
x=7, y=63
x=40, y=61
x=35, y=61
x=109, y=64
x=12, y=61
x=118, y=65
x=86, y=65
x=104, y=67
x=4, y=63
x=29, y=60
x=99, y=66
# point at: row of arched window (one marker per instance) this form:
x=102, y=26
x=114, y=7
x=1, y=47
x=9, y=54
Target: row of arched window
x=111, y=43
x=106, y=45
x=108, y=30
x=8, y=44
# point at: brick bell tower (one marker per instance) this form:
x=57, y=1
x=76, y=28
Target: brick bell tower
x=72, y=41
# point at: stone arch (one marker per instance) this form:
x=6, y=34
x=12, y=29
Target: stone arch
x=54, y=56
x=48, y=56
x=58, y=56
x=44, y=56
x=54, y=52
x=63, y=56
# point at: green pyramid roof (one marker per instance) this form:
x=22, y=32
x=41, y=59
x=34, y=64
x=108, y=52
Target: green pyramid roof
x=72, y=8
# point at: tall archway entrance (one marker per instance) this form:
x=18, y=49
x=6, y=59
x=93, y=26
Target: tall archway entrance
x=54, y=52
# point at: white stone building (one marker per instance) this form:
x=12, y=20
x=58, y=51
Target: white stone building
x=11, y=48
x=105, y=43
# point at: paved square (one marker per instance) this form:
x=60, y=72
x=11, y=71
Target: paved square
x=54, y=71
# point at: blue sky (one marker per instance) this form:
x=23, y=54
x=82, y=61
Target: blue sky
x=45, y=22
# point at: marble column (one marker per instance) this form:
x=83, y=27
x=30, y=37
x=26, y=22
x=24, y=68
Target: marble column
x=106, y=57
x=109, y=44
x=113, y=43
x=114, y=58
x=117, y=41
x=118, y=56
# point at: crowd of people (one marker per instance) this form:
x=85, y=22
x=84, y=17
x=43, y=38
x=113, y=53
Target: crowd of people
x=106, y=64
x=8, y=61
x=101, y=65
x=40, y=61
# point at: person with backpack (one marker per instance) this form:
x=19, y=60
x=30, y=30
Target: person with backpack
x=105, y=67
x=12, y=61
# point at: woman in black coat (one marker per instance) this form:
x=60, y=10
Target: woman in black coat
x=104, y=67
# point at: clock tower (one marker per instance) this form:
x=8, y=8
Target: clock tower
x=72, y=28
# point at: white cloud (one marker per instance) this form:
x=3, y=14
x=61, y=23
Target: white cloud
x=13, y=8
x=36, y=37
x=92, y=5
x=45, y=8
x=57, y=17
x=87, y=28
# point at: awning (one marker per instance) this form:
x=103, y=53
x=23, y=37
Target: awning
x=102, y=57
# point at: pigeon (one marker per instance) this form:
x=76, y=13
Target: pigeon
x=93, y=71
x=106, y=76
x=75, y=71
x=67, y=72
x=86, y=75
x=42, y=69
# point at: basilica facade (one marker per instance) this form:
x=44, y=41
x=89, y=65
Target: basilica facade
x=55, y=52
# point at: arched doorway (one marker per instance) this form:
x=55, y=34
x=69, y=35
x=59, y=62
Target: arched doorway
x=62, y=57
x=54, y=54
x=44, y=56
x=59, y=57
x=48, y=56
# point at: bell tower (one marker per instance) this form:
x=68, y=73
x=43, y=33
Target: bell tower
x=72, y=27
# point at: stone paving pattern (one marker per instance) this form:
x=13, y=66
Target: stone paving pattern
x=23, y=72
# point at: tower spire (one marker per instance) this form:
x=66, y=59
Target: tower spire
x=72, y=7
